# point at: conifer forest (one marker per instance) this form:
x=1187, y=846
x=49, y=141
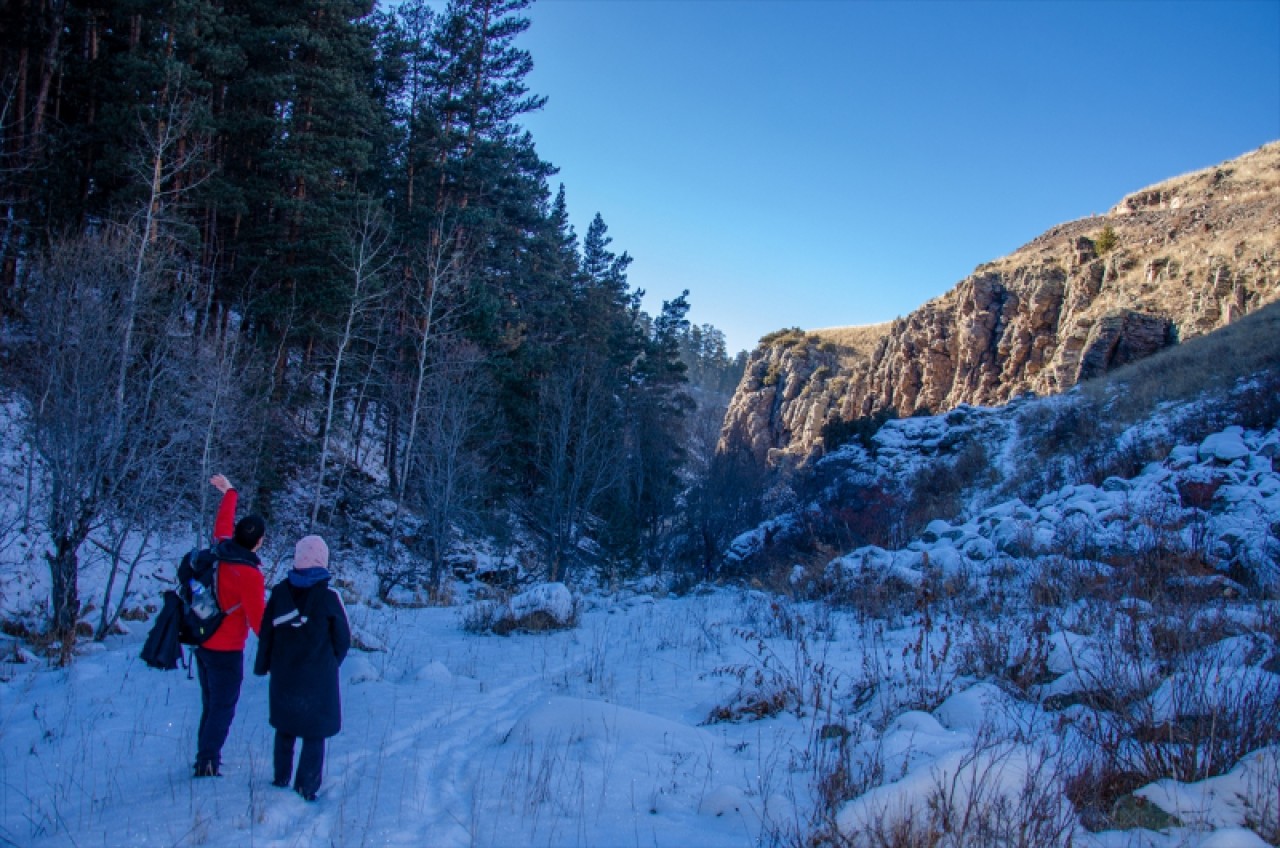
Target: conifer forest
x=311, y=244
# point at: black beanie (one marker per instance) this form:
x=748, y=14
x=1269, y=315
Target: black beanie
x=249, y=531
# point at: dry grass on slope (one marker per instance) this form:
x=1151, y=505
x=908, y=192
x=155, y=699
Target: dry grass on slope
x=860, y=339
x=1175, y=241
x=1209, y=364
x=1246, y=178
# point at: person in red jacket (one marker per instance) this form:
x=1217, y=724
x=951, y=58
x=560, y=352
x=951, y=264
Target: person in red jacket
x=242, y=595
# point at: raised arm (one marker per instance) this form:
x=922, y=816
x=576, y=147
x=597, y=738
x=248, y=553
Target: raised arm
x=224, y=526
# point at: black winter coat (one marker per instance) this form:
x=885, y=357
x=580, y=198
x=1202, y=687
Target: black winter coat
x=304, y=638
x=163, y=650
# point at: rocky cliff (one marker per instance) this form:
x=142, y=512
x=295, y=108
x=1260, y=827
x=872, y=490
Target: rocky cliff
x=1168, y=263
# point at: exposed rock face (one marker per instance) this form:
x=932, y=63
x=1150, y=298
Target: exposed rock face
x=1166, y=264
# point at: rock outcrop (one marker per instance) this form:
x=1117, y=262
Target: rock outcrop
x=1166, y=264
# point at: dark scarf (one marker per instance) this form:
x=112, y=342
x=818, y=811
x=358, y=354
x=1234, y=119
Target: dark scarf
x=305, y=578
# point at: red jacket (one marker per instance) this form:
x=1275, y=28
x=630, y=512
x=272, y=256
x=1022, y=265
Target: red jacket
x=241, y=588
x=224, y=525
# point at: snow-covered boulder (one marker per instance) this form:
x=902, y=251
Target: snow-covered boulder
x=552, y=600
x=547, y=606
x=1225, y=447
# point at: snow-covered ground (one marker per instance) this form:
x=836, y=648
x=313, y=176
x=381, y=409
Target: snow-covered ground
x=975, y=674
x=592, y=737
x=587, y=737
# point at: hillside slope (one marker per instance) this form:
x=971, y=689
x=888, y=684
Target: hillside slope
x=1166, y=264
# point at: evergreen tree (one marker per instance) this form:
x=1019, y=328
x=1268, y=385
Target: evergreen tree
x=711, y=370
x=601, y=268
x=299, y=117
x=265, y=126
x=656, y=412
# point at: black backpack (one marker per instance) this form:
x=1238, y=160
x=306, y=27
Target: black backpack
x=198, y=593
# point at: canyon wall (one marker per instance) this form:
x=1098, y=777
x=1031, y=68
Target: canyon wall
x=1166, y=264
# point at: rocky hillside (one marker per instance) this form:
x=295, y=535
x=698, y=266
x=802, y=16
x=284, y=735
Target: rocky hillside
x=1168, y=263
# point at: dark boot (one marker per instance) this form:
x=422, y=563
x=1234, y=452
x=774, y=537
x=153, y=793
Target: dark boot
x=310, y=768
x=207, y=769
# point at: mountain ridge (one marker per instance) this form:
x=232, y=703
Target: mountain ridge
x=1167, y=263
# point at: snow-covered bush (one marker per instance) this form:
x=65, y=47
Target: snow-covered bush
x=786, y=665
x=547, y=606
x=1169, y=694
x=993, y=792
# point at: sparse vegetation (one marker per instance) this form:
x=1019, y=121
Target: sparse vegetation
x=840, y=431
x=542, y=609
x=860, y=340
x=1106, y=240
x=1205, y=366
x=786, y=337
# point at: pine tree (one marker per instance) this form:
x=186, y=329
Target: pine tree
x=299, y=114
x=303, y=109
x=656, y=411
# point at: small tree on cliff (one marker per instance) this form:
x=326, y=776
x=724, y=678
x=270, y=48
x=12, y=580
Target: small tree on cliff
x=1107, y=240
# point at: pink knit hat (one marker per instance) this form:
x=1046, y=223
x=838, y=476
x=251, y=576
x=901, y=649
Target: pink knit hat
x=310, y=552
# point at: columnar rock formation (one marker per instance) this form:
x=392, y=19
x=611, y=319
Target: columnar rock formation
x=1168, y=263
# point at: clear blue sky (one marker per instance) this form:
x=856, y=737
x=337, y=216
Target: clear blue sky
x=830, y=163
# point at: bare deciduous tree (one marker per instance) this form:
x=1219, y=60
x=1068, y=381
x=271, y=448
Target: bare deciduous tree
x=723, y=501
x=433, y=276
x=367, y=261
x=579, y=456
x=92, y=445
x=447, y=469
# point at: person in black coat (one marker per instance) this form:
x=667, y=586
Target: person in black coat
x=305, y=636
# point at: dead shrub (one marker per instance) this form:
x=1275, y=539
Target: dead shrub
x=890, y=829
x=484, y=616
x=1257, y=403
x=1166, y=705
x=837, y=777
x=854, y=514
x=1076, y=537
x=541, y=621
x=1157, y=562
x=1009, y=652
x=937, y=491
x=795, y=676
x=441, y=594
x=751, y=706
x=1058, y=581
x=873, y=595
x=1068, y=426
x=931, y=669
x=1199, y=494
x=1262, y=795
x=1093, y=789
x=496, y=616
x=971, y=807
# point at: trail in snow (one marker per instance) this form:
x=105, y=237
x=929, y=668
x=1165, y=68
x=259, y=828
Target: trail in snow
x=587, y=737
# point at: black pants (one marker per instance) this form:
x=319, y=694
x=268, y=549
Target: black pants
x=221, y=673
x=310, y=763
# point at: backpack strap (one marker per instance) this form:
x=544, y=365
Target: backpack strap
x=217, y=565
